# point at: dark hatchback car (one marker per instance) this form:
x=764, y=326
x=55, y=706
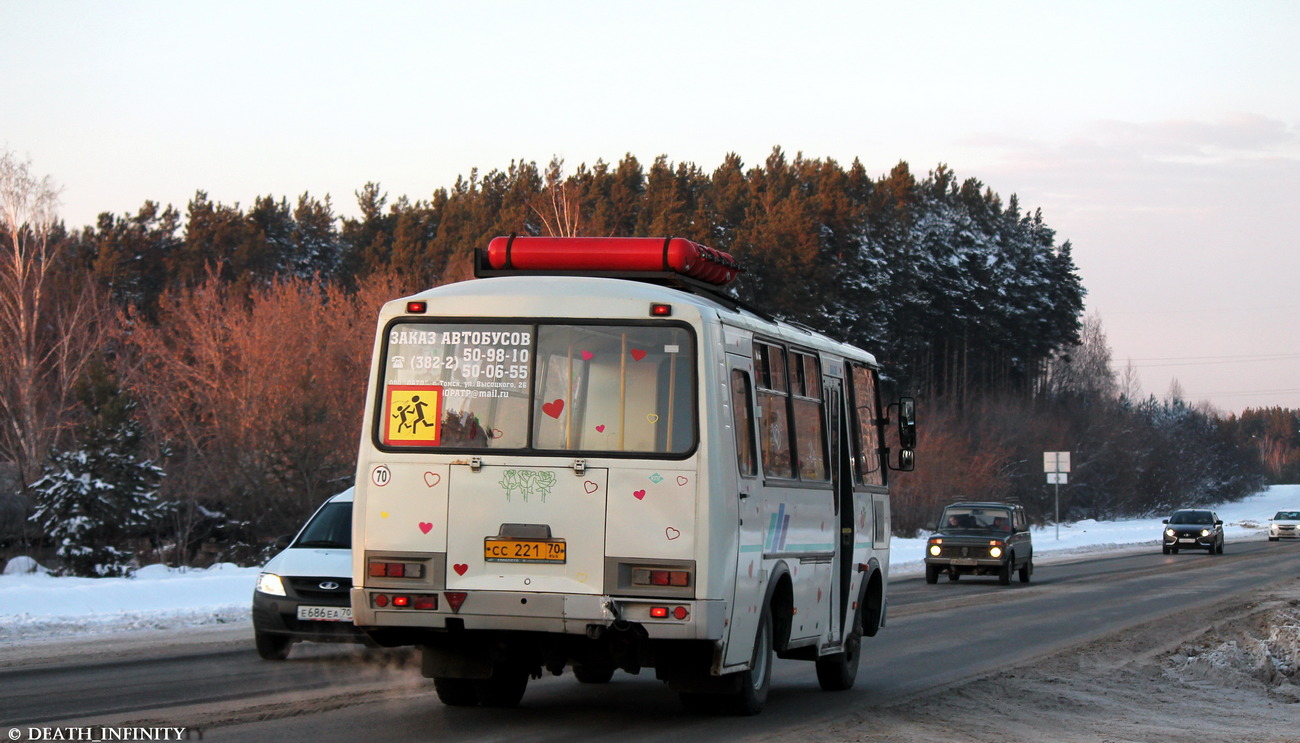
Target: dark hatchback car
x=1193, y=528
x=303, y=592
x=980, y=538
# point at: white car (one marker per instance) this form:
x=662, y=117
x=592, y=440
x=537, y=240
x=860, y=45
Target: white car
x=303, y=592
x=1284, y=525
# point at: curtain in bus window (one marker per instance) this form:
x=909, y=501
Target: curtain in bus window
x=742, y=410
x=868, y=438
x=456, y=385
x=809, y=431
x=773, y=423
x=615, y=388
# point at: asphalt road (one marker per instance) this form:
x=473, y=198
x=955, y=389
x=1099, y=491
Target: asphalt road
x=937, y=636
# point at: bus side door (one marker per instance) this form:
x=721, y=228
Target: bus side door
x=751, y=578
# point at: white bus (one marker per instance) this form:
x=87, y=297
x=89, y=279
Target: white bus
x=620, y=470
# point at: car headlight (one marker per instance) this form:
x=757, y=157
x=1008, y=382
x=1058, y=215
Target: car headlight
x=270, y=583
x=1169, y=532
x=935, y=550
x=1205, y=532
x=995, y=552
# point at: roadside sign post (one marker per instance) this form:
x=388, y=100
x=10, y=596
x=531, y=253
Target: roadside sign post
x=1057, y=466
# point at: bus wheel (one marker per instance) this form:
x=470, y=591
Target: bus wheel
x=838, y=671
x=455, y=692
x=755, y=682
x=750, y=693
x=593, y=675
x=504, y=689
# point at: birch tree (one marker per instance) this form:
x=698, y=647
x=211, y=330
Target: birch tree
x=46, y=336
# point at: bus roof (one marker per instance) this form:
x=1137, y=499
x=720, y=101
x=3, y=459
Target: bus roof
x=606, y=298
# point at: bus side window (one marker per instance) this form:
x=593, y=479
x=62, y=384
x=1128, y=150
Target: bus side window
x=742, y=408
x=867, y=440
x=773, y=420
x=809, y=433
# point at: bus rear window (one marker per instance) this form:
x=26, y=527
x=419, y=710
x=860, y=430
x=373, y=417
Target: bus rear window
x=460, y=386
x=615, y=388
x=598, y=388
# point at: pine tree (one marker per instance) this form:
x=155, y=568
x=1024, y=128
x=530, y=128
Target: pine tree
x=100, y=494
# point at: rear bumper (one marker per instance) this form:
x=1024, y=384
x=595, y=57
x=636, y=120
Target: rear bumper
x=558, y=613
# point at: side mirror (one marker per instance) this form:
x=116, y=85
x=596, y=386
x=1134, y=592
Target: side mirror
x=906, y=423
x=1165, y=521
x=931, y=526
x=282, y=541
x=906, y=460
x=1218, y=523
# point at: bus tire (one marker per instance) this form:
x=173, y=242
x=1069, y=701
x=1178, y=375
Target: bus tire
x=455, y=692
x=838, y=671
x=593, y=675
x=755, y=682
x=504, y=689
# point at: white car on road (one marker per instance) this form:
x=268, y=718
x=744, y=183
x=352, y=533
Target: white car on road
x=1284, y=525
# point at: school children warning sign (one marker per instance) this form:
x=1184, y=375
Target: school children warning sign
x=412, y=414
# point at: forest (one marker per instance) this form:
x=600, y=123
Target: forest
x=187, y=386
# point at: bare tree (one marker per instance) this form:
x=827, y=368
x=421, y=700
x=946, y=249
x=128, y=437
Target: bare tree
x=565, y=216
x=1085, y=369
x=46, y=336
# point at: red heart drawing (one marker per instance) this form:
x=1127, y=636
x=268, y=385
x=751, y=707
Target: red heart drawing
x=588, y=355
x=590, y=487
x=637, y=354
x=671, y=533
x=426, y=527
x=432, y=478
x=460, y=568
x=638, y=494
x=600, y=428
x=553, y=409
x=682, y=480
x=496, y=433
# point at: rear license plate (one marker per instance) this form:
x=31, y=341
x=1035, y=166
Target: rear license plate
x=549, y=551
x=325, y=613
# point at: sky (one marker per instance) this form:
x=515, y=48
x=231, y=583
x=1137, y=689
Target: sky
x=37, y=606
x=1161, y=139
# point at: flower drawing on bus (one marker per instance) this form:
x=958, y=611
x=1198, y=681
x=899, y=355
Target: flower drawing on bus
x=528, y=482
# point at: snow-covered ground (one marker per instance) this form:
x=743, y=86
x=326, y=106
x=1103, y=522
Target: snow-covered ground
x=36, y=605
